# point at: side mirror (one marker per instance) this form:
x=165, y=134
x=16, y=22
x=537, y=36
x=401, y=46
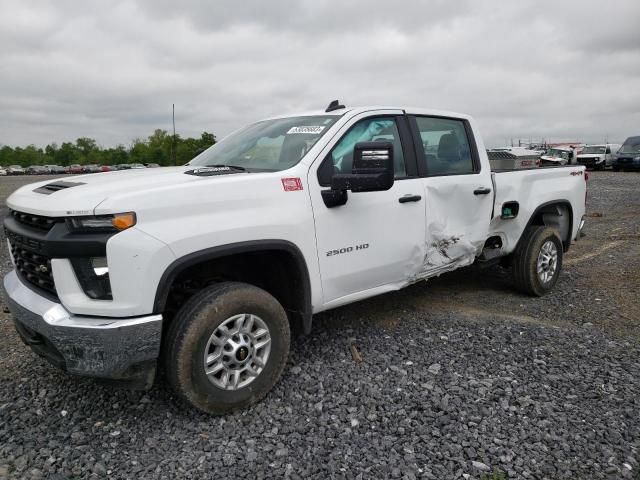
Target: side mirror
x=372, y=171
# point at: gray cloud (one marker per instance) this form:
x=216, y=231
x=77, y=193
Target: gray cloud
x=111, y=70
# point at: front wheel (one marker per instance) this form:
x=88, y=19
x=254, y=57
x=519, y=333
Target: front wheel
x=537, y=260
x=226, y=347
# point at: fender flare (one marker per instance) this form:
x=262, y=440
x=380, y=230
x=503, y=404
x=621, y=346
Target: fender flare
x=193, y=258
x=563, y=202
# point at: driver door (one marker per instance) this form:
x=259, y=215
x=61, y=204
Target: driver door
x=374, y=242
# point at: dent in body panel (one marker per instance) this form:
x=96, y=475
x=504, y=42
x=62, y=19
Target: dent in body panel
x=446, y=249
x=448, y=243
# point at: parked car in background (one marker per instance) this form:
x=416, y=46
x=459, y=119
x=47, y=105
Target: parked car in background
x=106, y=168
x=75, y=168
x=598, y=156
x=37, y=170
x=628, y=157
x=15, y=170
x=3, y=172
x=123, y=166
x=559, y=156
x=55, y=168
x=151, y=165
x=137, y=165
x=92, y=168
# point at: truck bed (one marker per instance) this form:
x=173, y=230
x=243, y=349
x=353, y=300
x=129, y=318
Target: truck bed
x=533, y=189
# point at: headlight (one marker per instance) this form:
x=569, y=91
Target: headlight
x=596, y=159
x=93, y=276
x=102, y=223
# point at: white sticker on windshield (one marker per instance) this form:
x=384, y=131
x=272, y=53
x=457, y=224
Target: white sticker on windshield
x=310, y=129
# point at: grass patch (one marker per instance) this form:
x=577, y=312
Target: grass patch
x=496, y=475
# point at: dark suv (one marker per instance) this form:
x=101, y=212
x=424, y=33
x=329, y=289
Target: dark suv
x=628, y=157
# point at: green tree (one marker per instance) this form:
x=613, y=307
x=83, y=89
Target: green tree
x=67, y=154
x=6, y=155
x=159, y=147
x=50, y=153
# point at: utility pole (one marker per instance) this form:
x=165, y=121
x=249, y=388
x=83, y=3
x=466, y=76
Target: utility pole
x=173, y=140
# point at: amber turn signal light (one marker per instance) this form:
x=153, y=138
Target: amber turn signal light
x=122, y=221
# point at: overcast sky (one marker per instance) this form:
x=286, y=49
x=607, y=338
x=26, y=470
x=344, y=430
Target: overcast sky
x=563, y=70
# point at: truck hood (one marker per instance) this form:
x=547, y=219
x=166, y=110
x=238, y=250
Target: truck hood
x=551, y=159
x=81, y=194
x=591, y=155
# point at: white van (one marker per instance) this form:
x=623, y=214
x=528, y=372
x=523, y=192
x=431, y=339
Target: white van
x=598, y=156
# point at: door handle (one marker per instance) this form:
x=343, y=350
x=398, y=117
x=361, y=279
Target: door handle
x=482, y=191
x=410, y=198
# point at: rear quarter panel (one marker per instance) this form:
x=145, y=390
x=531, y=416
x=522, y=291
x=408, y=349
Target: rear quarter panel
x=532, y=189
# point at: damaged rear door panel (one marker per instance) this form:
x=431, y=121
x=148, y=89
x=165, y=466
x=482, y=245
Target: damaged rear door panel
x=458, y=192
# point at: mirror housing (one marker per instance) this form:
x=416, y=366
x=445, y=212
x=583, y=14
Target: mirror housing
x=372, y=171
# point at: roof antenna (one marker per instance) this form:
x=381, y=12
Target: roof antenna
x=335, y=105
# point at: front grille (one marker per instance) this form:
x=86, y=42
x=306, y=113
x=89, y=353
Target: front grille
x=35, y=221
x=22, y=241
x=30, y=265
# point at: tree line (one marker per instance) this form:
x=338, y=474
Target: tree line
x=160, y=147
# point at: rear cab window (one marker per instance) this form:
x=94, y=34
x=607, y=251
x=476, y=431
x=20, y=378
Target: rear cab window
x=444, y=146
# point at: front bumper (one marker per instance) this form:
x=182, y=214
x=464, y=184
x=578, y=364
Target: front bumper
x=591, y=162
x=626, y=164
x=122, y=349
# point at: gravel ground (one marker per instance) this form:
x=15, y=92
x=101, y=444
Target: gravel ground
x=459, y=377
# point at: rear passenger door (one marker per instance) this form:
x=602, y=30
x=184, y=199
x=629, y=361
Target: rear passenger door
x=458, y=192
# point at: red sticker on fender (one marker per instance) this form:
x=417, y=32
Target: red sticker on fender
x=292, y=184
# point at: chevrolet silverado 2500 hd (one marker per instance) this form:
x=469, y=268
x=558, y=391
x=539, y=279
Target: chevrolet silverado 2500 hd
x=206, y=267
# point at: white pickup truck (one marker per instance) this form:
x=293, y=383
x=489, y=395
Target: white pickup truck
x=205, y=268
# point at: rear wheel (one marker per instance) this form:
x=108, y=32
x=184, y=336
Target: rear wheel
x=226, y=347
x=537, y=260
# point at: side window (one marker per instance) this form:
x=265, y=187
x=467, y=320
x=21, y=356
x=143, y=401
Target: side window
x=608, y=150
x=340, y=159
x=446, y=146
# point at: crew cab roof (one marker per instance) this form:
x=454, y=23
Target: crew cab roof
x=359, y=110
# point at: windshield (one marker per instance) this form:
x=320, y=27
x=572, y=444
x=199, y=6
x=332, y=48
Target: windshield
x=631, y=146
x=553, y=152
x=593, y=149
x=267, y=146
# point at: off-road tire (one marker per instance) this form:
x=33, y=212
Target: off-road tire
x=189, y=333
x=525, y=260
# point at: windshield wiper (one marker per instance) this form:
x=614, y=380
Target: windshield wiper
x=232, y=167
x=211, y=170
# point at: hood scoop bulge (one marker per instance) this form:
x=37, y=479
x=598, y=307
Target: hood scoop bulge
x=50, y=188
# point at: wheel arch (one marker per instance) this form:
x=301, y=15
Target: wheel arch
x=552, y=214
x=298, y=299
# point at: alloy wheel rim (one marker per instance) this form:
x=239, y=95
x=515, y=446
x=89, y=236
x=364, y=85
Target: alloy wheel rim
x=547, y=261
x=237, y=351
